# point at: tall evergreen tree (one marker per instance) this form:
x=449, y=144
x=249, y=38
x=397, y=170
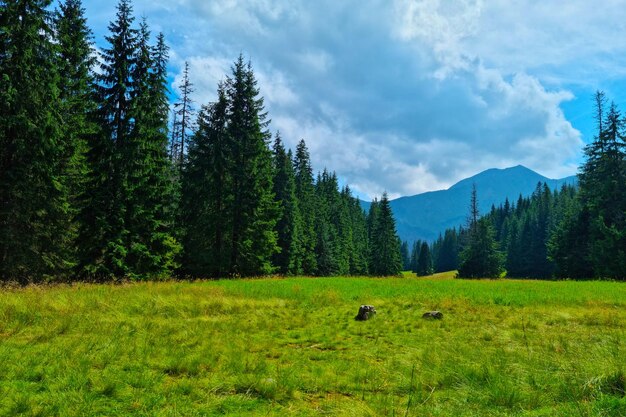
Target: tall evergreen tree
x=480, y=257
x=207, y=195
x=424, y=262
x=305, y=193
x=288, y=227
x=384, y=243
x=253, y=239
x=34, y=215
x=183, y=109
x=103, y=235
x=75, y=61
x=406, y=256
x=603, y=192
x=151, y=247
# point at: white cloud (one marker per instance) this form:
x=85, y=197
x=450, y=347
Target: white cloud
x=410, y=95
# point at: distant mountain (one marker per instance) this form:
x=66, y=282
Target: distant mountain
x=424, y=216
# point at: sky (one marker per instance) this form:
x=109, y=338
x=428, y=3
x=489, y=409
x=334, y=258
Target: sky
x=407, y=96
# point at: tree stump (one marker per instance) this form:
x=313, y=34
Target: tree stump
x=365, y=313
x=437, y=315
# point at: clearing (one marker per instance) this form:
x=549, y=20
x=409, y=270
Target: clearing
x=291, y=347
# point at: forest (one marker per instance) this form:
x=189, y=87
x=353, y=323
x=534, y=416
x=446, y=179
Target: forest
x=103, y=179
x=96, y=184
x=575, y=232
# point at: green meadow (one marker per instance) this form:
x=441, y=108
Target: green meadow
x=291, y=347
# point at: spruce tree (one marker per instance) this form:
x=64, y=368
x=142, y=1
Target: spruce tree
x=305, y=193
x=151, y=246
x=183, y=109
x=386, y=258
x=406, y=256
x=288, y=227
x=253, y=239
x=424, y=262
x=360, y=244
x=329, y=253
x=415, y=255
x=207, y=194
x=75, y=63
x=480, y=257
x=34, y=195
x=104, y=235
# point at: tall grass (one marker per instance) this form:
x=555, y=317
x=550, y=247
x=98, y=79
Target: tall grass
x=291, y=347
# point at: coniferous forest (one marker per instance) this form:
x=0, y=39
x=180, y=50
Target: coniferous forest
x=101, y=178
x=575, y=232
x=98, y=182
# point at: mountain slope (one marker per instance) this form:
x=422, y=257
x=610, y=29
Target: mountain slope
x=424, y=216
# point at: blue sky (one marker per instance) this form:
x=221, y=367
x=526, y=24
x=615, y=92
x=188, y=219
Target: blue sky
x=407, y=96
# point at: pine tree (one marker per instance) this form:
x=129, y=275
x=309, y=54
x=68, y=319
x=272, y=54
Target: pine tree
x=207, y=194
x=34, y=195
x=253, y=239
x=386, y=258
x=360, y=244
x=415, y=256
x=103, y=236
x=603, y=192
x=289, y=224
x=151, y=247
x=328, y=249
x=424, y=262
x=184, y=113
x=480, y=257
x=406, y=256
x=75, y=62
x=305, y=193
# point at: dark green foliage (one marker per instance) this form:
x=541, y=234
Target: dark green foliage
x=152, y=249
x=127, y=219
x=35, y=217
x=307, y=205
x=253, y=239
x=76, y=87
x=603, y=192
x=87, y=185
x=289, y=225
x=331, y=257
x=480, y=257
x=103, y=231
x=206, y=206
x=446, y=251
x=406, y=256
x=385, y=253
x=415, y=256
x=228, y=207
x=569, y=244
x=424, y=261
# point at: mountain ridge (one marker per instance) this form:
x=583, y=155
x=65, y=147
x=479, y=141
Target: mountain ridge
x=423, y=216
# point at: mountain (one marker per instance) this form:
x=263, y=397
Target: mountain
x=424, y=216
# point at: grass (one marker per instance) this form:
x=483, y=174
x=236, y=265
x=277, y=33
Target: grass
x=290, y=347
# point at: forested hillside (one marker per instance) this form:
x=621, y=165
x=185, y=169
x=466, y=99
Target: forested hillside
x=577, y=233
x=97, y=184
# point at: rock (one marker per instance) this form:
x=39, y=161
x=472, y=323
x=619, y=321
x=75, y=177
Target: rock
x=365, y=313
x=437, y=315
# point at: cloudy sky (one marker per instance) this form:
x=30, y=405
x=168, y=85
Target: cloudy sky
x=407, y=96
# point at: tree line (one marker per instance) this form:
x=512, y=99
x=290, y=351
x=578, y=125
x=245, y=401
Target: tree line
x=94, y=184
x=577, y=232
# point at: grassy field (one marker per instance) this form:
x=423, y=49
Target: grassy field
x=291, y=347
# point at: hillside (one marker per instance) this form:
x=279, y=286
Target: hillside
x=424, y=216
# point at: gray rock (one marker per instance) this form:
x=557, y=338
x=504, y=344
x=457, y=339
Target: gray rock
x=437, y=315
x=365, y=313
